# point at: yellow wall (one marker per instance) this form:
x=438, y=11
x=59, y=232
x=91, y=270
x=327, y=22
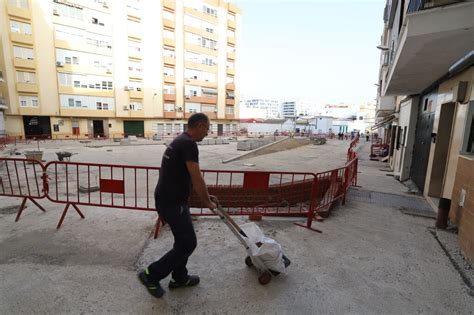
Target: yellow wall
x=44, y=44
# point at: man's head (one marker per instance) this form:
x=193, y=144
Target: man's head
x=198, y=126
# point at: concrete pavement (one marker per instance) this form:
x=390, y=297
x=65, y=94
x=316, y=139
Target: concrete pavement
x=370, y=259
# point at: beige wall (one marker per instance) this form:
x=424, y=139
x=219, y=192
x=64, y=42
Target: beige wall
x=446, y=93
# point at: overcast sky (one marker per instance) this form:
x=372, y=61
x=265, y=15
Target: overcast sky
x=314, y=50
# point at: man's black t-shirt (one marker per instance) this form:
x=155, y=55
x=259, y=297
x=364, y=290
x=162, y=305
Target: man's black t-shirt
x=174, y=185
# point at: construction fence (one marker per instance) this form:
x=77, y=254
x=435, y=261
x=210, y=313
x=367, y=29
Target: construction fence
x=258, y=193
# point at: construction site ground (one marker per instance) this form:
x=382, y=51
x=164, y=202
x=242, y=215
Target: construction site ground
x=370, y=259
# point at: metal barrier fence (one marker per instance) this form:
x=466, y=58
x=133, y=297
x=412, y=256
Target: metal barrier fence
x=132, y=187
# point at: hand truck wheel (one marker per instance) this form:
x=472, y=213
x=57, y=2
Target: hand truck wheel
x=248, y=261
x=265, y=278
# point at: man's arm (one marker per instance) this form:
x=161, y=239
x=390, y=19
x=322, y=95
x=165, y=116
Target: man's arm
x=198, y=184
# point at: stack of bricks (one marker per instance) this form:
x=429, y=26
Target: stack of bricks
x=284, y=195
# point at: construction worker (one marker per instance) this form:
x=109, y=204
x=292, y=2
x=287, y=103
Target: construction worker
x=179, y=175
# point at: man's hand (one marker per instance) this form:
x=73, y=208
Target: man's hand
x=211, y=205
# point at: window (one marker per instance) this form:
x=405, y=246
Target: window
x=168, y=34
x=75, y=60
x=20, y=27
x=23, y=53
x=75, y=127
x=209, y=11
x=71, y=102
x=68, y=10
x=208, y=109
x=192, y=107
x=26, y=77
x=168, y=15
x=28, y=101
x=135, y=105
x=23, y=4
x=168, y=71
x=23, y=101
x=98, y=105
x=34, y=101
x=95, y=20
x=169, y=107
x=169, y=89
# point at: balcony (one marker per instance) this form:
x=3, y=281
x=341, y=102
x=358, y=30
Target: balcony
x=169, y=97
x=201, y=15
x=199, y=49
x=230, y=101
x=21, y=38
x=135, y=94
x=137, y=113
x=230, y=86
x=27, y=87
x=231, y=40
x=134, y=13
x=431, y=41
x=202, y=99
x=24, y=63
x=231, y=24
x=231, y=55
x=169, y=23
x=169, y=79
x=201, y=32
x=201, y=83
x=170, y=115
x=230, y=71
x=85, y=91
x=385, y=105
x=171, y=42
x=19, y=12
x=200, y=66
x=135, y=75
x=229, y=116
x=3, y=103
x=233, y=8
x=211, y=115
x=169, y=60
x=135, y=55
x=169, y=4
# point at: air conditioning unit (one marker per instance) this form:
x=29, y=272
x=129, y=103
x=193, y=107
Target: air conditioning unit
x=125, y=108
x=59, y=64
x=128, y=88
x=55, y=12
x=109, y=46
x=188, y=97
x=105, y=5
x=109, y=71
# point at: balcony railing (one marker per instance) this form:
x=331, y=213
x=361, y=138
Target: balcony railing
x=418, y=5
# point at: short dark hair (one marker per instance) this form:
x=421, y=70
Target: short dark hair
x=197, y=118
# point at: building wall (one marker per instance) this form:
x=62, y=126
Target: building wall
x=446, y=94
x=152, y=25
x=463, y=216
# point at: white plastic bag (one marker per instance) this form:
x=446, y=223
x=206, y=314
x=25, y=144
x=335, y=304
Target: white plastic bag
x=269, y=252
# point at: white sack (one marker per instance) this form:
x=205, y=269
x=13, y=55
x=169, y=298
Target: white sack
x=270, y=252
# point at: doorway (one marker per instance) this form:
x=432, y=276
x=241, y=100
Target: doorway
x=220, y=129
x=98, y=127
x=440, y=157
x=37, y=127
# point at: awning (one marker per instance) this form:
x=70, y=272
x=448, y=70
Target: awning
x=230, y=94
x=384, y=122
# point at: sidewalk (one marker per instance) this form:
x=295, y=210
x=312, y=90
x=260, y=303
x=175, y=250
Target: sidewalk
x=370, y=259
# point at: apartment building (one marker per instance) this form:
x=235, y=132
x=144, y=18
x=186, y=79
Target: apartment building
x=272, y=108
x=88, y=68
x=425, y=103
x=289, y=109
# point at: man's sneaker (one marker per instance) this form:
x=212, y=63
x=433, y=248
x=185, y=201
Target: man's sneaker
x=154, y=288
x=189, y=282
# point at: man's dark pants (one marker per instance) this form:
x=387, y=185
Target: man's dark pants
x=179, y=219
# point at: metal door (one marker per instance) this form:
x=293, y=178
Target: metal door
x=421, y=150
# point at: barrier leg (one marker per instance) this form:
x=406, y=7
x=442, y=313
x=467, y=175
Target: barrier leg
x=37, y=204
x=63, y=216
x=159, y=223
x=22, y=206
x=78, y=211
